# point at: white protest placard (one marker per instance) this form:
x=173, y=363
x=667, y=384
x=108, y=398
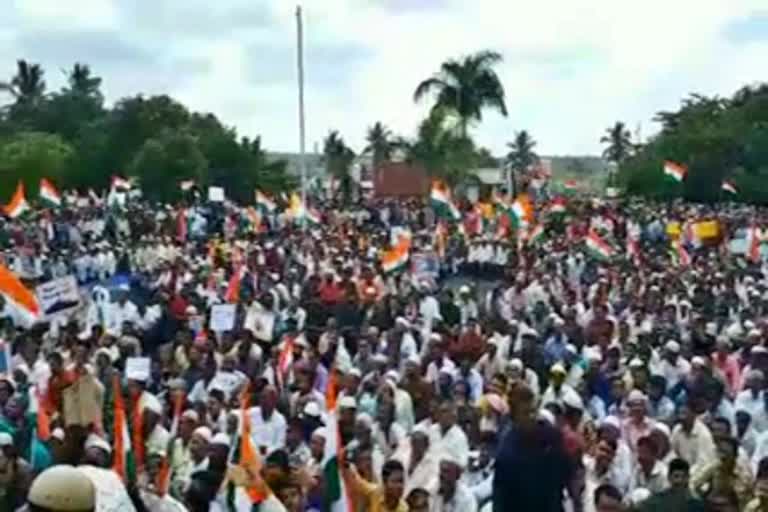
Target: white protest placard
x=137, y=368
x=216, y=194
x=58, y=296
x=222, y=317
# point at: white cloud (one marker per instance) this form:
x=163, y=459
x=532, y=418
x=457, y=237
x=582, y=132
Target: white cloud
x=570, y=70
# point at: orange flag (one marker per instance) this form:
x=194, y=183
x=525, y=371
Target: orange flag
x=249, y=458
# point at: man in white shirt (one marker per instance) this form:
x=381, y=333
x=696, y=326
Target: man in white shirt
x=452, y=495
x=692, y=440
x=122, y=311
x=447, y=436
x=419, y=461
x=268, y=426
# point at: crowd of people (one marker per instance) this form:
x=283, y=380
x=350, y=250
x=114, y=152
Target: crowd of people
x=519, y=374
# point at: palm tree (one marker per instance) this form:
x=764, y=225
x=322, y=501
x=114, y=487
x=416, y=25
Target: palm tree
x=440, y=148
x=338, y=159
x=81, y=82
x=27, y=86
x=466, y=86
x=380, y=143
x=522, y=156
x=619, y=141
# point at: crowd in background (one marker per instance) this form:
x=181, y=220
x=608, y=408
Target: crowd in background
x=517, y=375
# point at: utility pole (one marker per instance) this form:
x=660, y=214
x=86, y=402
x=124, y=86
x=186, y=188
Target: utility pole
x=302, y=134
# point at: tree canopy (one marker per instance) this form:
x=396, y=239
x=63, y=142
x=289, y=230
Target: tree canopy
x=69, y=136
x=716, y=139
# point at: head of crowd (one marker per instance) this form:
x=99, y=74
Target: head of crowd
x=595, y=355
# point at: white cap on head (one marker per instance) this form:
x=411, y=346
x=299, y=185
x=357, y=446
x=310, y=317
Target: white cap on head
x=312, y=409
x=320, y=432
x=636, y=396
x=574, y=401
x=58, y=433
x=94, y=441
x=151, y=403
x=6, y=439
x=672, y=346
x=221, y=439
x=347, y=402
x=62, y=488
x=203, y=433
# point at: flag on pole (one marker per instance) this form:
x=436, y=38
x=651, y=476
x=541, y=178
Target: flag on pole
x=440, y=198
x=163, y=480
x=535, y=235
x=21, y=301
x=18, y=204
x=336, y=495
x=521, y=212
x=679, y=254
x=297, y=210
x=285, y=359
x=264, y=202
x=557, y=205
x=675, y=171
x=753, y=244
x=249, y=458
x=570, y=185
x=232, y=295
x=728, y=186
x=597, y=247
x=48, y=193
x=397, y=257
x=122, y=463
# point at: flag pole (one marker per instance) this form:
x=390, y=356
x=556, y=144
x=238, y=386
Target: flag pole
x=302, y=135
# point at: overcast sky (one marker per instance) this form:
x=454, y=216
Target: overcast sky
x=571, y=68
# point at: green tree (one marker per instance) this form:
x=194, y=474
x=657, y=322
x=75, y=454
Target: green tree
x=441, y=148
x=165, y=160
x=29, y=156
x=522, y=154
x=338, y=161
x=466, y=86
x=485, y=158
x=27, y=85
x=619, y=143
x=380, y=144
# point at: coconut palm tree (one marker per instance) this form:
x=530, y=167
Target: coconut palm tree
x=619, y=141
x=27, y=86
x=522, y=156
x=466, y=86
x=82, y=82
x=380, y=143
x=338, y=159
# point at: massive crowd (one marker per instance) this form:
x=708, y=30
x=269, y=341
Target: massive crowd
x=513, y=374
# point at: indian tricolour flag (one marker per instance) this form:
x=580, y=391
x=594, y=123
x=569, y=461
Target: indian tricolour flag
x=557, y=205
x=442, y=203
x=18, y=204
x=535, y=235
x=521, y=212
x=675, y=171
x=123, y=462
x=285, y=359
x=48, y=193
x=298, y=211
x=597, y=247
x=397, y=257
x=729, y=187
x=337, y=498
x=21, y=301
x=264, y=202
x=679, y=254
